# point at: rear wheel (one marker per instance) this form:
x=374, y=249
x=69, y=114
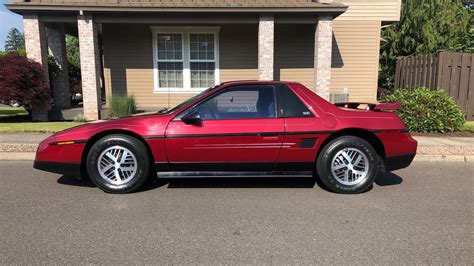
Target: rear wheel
x=347, y=165
x=118, y=163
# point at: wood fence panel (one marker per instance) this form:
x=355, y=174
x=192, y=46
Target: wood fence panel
x=439, y=67
x=453, y=72
x=470, y=97
x=464, y=82
x=433, y=72
x=397, y=74
x=425, y=68
x=446, y=73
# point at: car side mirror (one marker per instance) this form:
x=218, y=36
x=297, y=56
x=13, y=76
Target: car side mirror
x=192, y=118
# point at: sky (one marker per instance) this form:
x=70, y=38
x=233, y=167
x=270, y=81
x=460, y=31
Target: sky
x=7, y=21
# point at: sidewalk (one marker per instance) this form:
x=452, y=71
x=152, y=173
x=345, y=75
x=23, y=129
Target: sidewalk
x=432, y=149
x=452, y=149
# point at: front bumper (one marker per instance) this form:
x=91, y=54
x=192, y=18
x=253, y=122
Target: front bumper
x=60, y=159
x=67, y=169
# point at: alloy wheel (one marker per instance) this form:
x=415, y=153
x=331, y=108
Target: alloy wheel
x=117, y=165
x=350, y=166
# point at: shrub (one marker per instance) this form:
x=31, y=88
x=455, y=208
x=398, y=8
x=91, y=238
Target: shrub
x=122, y=105
x=21, y=52
x=23, y=81
x=427, y=110
x=80, y=118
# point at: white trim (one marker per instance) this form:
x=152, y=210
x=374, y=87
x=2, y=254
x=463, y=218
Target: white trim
x=185, y=33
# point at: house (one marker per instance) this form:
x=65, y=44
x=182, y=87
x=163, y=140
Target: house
x=164, y=51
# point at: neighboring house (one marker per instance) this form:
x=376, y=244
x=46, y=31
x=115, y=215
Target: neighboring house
x=165, y=51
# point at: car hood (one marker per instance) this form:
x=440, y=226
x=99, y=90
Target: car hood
x=149, y=124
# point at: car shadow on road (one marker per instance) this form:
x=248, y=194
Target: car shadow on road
x=388, y=179
x=237, y=182
x=383, y=179
x=71, y=181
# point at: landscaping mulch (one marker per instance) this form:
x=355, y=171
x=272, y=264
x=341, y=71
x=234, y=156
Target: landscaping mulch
x=445, y=135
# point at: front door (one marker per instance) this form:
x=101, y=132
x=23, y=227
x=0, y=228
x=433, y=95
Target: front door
x=240, y=131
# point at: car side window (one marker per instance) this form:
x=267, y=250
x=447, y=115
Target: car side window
x=240, y=102
x=290, y=105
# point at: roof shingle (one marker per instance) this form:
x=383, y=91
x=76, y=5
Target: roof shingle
x=180, y=3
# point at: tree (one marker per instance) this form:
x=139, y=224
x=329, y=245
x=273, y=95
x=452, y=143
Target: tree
x=15, y=40
x=74, y=61
x=22, y=80
x=425, y=27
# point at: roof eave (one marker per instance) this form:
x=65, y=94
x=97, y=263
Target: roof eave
x=335, y=9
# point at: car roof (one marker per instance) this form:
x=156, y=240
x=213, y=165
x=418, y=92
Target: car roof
x=248, y=82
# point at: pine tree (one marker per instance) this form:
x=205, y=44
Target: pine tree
x=15, y=40
x=425, y=27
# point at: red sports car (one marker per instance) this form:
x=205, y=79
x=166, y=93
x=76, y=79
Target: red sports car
x=241, y=128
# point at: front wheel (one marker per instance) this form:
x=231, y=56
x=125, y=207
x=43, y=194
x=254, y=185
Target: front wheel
x=347, y=165
x=118, y=163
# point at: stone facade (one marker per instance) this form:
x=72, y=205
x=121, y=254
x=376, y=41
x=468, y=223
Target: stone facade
x=90, y=66
x=36, y=50
x=60, y=81
x=266, y=29
x=322, y=56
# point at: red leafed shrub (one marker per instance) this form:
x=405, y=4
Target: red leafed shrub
x=22, y=80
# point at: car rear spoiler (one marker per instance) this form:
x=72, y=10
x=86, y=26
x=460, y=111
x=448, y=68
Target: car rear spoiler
x=370, y=106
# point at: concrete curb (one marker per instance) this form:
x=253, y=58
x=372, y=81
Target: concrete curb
x=30, y=156
x=444, y=158
x=17, y=156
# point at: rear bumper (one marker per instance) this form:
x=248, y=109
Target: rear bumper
x=398, y=162
x=67, y=169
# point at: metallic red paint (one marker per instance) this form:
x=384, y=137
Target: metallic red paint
x=273, y=140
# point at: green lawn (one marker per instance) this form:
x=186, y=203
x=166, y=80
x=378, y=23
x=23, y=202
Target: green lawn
x=15, y=119
x=12, y=111
x=468, y=127
x=39, y=127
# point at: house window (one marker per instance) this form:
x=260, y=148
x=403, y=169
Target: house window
x=170, y=60
x=185, y=58
x=202, y=60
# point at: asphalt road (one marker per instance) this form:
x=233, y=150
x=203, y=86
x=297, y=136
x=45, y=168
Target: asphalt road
x=422, y=214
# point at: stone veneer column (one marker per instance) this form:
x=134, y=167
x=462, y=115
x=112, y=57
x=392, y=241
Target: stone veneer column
x=322, y=56
x=36, y=50
x=90, y=66
x=59, y=82
x=266, y=28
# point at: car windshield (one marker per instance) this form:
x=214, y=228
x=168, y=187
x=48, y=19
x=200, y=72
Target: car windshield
x=166, y=111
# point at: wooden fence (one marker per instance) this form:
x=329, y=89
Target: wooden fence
x=453, y=72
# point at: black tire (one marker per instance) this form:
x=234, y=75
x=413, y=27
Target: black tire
x=325, y=159
x=136, y=147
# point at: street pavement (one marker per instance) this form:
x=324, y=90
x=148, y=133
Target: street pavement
x=422, y=214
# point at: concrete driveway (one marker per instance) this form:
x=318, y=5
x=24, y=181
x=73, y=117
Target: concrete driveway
x=422, y=214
